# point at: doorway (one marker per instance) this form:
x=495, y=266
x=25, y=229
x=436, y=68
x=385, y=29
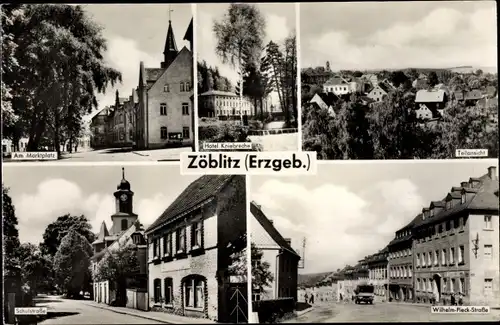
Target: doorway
x=437, y=286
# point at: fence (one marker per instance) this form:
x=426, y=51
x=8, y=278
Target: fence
x=274, y=131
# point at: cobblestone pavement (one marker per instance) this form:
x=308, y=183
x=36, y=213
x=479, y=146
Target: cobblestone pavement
x=277, y=142
x=384, y=312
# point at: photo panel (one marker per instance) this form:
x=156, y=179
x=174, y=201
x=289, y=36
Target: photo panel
x=151, y=245
x=392, y=242
x=403, y=84
x=247, y=77
x=129, y=99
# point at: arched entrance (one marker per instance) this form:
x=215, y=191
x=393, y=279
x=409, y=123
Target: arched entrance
x=436, y=287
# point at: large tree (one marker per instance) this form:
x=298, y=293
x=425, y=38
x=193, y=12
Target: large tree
x=262, y=277
x=240, y=35
x=117, y=266
x=11, y=242
x=60, y=68
x=72, y=262
x=36, y=268
x=55, y=232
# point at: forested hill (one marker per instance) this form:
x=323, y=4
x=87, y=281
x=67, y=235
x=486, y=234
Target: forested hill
x=209, y=78
x=311, y=279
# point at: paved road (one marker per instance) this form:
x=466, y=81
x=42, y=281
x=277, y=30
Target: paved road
x=277, y=142
x=64, y=311
x=385, y=312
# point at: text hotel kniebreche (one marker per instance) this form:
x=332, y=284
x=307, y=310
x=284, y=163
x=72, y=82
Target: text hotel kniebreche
x=248, y=163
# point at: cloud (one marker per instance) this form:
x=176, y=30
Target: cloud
x=340, y=226
x=444, y=38
x=56, y=197
x=124, y=55
x=277, y=29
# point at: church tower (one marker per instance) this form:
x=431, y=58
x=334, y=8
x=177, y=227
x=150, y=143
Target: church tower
x=124, y=216
x=170, y=51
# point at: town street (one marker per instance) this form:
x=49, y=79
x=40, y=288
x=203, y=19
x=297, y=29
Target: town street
x=66, y=311
x=385, y=312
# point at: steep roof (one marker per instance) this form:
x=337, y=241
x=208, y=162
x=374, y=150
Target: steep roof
x=218, y=93
x=152, y=74
x=473, y=95
x=270, y=229
x=335, y=81
x=170, y=45
x=198, y=192
x=430, y=96
x=328, y=98
x=189, y=32
x=103, y=233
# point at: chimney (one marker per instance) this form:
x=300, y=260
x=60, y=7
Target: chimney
x=288, y=241
x=271, y=221
x=492, y=172
x=464, y=184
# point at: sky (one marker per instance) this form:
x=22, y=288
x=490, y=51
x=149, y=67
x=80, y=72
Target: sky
x=137, y=32
x=280, y=23
x=391, y=35
x=349, y=211
x=41, y=194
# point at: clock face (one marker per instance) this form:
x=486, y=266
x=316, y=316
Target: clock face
x=123, y=197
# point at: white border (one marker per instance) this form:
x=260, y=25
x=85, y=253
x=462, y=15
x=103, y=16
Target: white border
x=194, y=9
x=90, y=163
x=249, y=249
x=299, y=81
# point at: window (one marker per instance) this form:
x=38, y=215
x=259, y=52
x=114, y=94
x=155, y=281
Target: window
x=181, y=240
x=488, y=251
x=418, y=284
x=163, y=132
x=461, y=252
x=256, y=294
x=185, y=132
x=452, y=255
x=169, y=290
x=431, y=212
x=156, y=247
x=196, y=232
x=418, y=260
x=424, y=284
x=445, y=285
x=163, y=109
x=194, y=293
x=487, y=222
x=124, y=224
x=167, y=245
x=188, y=86
x=443, y=257
x=166, y=88
x=463, y=198
x=157, y=290
x=436, y=257
x=429, y=259
x=488, y=284
x=182, y=87
x=410, y=272
x=185, y=109
x=461, y=285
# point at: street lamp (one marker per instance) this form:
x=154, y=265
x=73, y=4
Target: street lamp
x=475, y=247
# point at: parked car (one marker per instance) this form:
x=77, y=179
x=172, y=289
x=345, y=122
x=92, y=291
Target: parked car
x=365, y=293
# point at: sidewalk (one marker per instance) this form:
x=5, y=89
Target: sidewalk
x=153, y=315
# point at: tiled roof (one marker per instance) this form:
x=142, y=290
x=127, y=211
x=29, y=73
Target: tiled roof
x=384, y=87
x=430, y=96
x=488, y=102
x=328, y=98
x=218, y=93
x=335, y=81
x=152, y=74
x=189, y=32
x=197, y=192
x=270, y=229
x=473, y=95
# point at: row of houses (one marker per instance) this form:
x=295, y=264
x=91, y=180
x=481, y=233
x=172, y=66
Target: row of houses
x=185, y=256
x=159, y=111
x=451, y=247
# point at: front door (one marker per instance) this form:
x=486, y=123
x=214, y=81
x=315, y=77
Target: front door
x=437, y=287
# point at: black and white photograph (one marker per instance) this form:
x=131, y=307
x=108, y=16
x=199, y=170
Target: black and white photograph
x=413, y=80
x=380, y=242
x=132, y=245
x=247, y=75
x=97, y=82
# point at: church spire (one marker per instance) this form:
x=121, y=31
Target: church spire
x=170, y=51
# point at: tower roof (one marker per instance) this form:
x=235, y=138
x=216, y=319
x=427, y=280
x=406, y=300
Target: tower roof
x=124, y=184
x=170, y=45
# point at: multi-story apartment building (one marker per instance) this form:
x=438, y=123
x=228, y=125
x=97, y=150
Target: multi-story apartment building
x=278, y=252
x=125, y=230
x=349, y=278
x=223, y=104
x=165, y=107
x=456, y=244
x=190, y=247
x=377, y=268
x=400, y=264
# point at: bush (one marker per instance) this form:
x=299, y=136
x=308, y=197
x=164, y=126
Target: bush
x=270, y=311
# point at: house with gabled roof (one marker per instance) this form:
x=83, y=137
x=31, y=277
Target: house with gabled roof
x=433, y=101
x=338, y=86
x=165, y=108
x=379, y=92
x=278, y=252
x=190, y=247
x=325, y=101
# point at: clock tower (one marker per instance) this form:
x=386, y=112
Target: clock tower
x=124, y=216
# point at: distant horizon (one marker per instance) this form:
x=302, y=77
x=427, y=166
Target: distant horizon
x=417, y=68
